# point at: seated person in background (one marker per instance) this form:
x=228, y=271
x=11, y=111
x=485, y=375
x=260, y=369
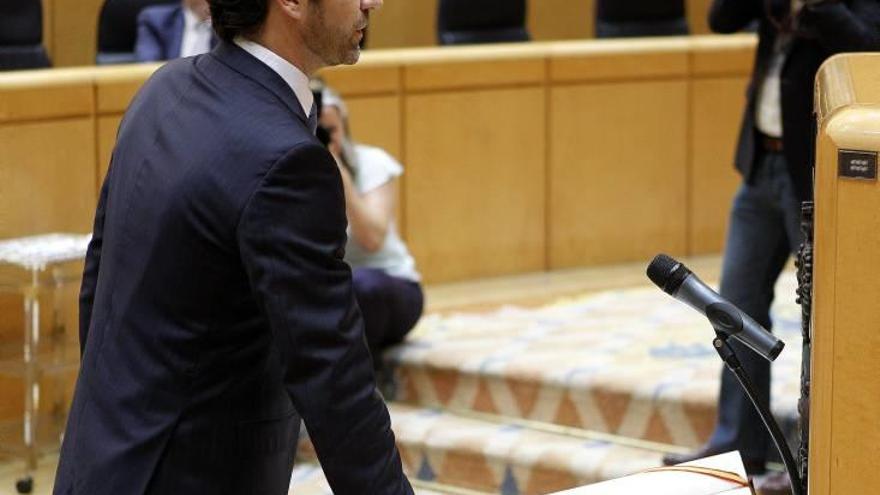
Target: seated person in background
x=633, y=18
x=166, y=32
x=386, y=283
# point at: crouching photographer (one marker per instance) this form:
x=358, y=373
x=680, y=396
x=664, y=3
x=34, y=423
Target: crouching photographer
x=386, y=283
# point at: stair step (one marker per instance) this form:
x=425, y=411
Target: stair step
x=496, y=457
x=630, y=362
x=308, y=479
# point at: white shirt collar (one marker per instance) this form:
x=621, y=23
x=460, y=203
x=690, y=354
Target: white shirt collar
x=294, y=77
x=189, y=18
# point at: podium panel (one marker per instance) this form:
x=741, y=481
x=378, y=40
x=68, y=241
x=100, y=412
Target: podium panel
x=845, y=397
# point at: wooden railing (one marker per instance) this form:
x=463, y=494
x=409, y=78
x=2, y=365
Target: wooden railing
x=518, y=158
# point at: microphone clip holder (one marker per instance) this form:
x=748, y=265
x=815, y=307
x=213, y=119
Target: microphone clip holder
x=726, y=353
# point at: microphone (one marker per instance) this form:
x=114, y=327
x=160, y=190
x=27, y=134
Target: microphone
x=676, y=280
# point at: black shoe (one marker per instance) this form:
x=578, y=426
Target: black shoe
x=753, y=466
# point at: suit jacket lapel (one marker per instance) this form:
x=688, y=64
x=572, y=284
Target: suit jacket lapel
x=246, y=64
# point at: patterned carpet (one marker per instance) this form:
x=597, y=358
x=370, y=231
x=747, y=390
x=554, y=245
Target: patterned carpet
x=634, y=363
x=482, y=400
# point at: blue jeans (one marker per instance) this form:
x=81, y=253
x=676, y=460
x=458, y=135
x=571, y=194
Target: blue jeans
x=764, y=229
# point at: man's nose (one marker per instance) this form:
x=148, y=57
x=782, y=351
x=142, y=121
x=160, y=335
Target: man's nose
x=371, y=4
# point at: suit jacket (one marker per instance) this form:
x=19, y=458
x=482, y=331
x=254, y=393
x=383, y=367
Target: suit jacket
x=159, y=33
x=215, y=305
x=824, y=30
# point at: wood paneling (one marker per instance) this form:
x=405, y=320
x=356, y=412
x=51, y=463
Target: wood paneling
x=637, y=75
x=376, y=121
x=712, y=177
x=845, y=386
x=475, y=185
x=404, y=24
x=619, y=60
x=363, y=80
x=38, y=95
x=723, y=56
x=74, y=31
x=47, y=177
x=70, y=27
x=697, y=12
x=617, y=172
x=117, y=85
x=473, y=74
x=552, y=20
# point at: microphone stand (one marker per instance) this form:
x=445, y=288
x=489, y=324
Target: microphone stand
x=729, y=357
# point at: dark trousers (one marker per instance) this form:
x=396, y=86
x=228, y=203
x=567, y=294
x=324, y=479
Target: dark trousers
x=391, y=307
x=764, y=229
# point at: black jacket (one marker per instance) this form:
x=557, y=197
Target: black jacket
x=823, y=30
x=215, y=305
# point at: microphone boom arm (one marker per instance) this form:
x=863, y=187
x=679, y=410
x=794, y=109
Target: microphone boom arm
x=729, y=357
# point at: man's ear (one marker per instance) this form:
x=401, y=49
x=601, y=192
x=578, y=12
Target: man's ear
x=292, y=8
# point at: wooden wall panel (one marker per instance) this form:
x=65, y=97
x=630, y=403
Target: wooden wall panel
x=619, y=60
x=855, y=444
x=47, y=176
x=473, y=74
x=617, y=172
x=697, y=12
x=552, y=20
x=363, y=79
x=42, y=95
x=715, y=112
x=475, y=185
x=74, y=31
x=376, y=121
x=48, y=17
x=407, y=23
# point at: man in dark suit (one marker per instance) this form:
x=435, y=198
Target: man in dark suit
x=166, y=32
x=216, y=307
x=775, y=159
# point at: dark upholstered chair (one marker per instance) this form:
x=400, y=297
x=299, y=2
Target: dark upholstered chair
x=117, y=29
x=629, y=18
x=481, y=21
x=21, y=35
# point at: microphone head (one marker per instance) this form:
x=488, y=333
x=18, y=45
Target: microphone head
x=667, y=273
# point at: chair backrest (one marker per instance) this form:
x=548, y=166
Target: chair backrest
x=481, y=21
x=621, y=18
x=21, y=22
x=117, y=28
x=21, y=35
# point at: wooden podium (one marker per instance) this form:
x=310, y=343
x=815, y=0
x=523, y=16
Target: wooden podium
x=844, y=451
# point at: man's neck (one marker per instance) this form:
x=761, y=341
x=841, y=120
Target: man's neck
x=289, y=48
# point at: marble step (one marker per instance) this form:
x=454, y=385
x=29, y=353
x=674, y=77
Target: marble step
x=486, y=454
x=630, y=362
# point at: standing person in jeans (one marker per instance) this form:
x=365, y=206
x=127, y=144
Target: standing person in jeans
x=774, y=157
x=386, y=283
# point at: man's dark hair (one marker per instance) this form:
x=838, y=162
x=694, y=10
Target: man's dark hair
x=231, y=18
